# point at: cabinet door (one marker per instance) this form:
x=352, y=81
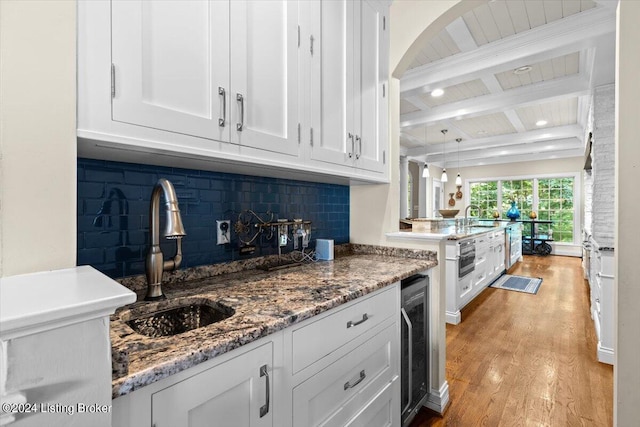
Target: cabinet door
x=368, y=81
x=229, y=395
x=331, y=81
x=264, y=74
x=169, y=59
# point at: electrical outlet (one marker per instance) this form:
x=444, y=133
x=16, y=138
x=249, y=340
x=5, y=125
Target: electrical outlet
x=223, y=231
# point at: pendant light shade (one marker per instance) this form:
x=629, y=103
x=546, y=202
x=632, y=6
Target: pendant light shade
x=444, y=177
x=425, y=171
x=458, y=178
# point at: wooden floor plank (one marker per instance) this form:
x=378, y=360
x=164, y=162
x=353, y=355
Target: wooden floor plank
x=527, y=360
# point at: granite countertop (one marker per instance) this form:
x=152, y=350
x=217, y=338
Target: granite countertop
x=264, y=303
x=449, y=233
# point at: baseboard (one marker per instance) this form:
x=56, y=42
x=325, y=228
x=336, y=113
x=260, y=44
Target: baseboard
x=438, y=400
x=606, y=355
x=453, y=317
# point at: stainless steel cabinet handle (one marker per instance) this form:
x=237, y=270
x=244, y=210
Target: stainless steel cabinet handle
x=223, y=121
x=264, y=372
x=240, y=99
x=348, y=384
x=359, y=141
x=350, y=136
x=598, y=300
x=351, y=323
x=410, y=351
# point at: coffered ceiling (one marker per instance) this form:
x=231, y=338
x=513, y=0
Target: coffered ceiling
x=517, y=77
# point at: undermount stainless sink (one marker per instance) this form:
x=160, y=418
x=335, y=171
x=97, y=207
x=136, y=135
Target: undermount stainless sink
x=180, y=319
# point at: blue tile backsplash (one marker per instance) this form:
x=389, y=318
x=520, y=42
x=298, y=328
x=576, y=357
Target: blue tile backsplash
x=113, y=212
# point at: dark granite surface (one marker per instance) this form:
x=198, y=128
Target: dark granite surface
x=264, y=302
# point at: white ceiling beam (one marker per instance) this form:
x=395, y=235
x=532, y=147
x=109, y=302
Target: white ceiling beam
x=546, y=91
x=549, y=147
x=546, y=134
x=576, y=152
x=576, y=32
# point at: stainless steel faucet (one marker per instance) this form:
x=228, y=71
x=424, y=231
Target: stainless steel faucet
x=155, y=264
x=466, y=213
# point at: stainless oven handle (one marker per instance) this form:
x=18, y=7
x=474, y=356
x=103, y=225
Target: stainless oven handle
x=410, y=367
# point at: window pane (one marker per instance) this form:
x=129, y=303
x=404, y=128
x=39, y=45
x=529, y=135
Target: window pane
x=485, y=196
x=555, y=203
x=520, y=191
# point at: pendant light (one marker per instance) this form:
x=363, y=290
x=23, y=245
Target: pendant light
x=444, y=177
x=458, y=178
x=425, y=171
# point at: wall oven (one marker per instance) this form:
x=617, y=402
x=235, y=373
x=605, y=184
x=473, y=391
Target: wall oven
x=415, y=362
x=467, y=260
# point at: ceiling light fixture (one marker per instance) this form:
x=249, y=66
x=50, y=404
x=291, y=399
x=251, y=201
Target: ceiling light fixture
x=444, y=177
x=541, y=123
x=458, y=178
x=437, y=92
x=522, y=70
x=425, y=170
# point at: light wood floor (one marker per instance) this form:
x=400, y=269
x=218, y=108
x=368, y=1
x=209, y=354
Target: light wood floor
x=518, y=359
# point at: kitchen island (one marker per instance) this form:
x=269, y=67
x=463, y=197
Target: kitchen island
x=473, y=256
x=272, y=311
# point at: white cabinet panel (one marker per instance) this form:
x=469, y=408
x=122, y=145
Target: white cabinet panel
x=348, y=69
x=264, y=74
x=169, y=59
x=233, y=393
x=368, y=88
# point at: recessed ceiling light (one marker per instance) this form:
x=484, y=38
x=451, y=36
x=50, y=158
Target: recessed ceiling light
x=541, y=123
x=523, y=70
x=437, y=92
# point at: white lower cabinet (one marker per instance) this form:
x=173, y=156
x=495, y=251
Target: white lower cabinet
x=354, y=390
x=602, y=304
x=236, y=389
x=340, y=368
x=236, y=394
x=489, y=265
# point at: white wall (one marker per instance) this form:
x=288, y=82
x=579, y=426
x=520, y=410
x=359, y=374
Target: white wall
x=37, y=136
x=627, y=294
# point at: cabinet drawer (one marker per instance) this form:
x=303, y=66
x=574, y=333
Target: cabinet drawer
x=322, y=337
x=338, y=393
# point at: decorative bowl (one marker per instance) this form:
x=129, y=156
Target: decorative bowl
x=449, y=213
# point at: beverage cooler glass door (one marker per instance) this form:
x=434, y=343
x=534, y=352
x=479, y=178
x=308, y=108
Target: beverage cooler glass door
x=414, y=345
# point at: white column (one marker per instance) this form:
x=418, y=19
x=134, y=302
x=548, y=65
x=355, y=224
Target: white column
x=422, y=193
x=404, y=183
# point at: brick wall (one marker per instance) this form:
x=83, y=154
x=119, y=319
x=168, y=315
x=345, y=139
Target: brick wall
x=604, y=165
x=113, y=212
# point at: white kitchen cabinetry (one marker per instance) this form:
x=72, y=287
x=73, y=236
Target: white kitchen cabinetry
x=489, y=265
x=602, y=306
x=236, y=393
x=227, y=86
x=350, y=377
x=210, y=69
x=348, y=100
x=236, y=389
x=169, y=59
x=341, y=367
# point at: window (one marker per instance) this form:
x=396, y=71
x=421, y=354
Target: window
x=551, y=198
x=555, y=202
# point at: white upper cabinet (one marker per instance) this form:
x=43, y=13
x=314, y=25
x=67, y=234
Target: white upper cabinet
x=264, y=74
x=285, y=87
x=169, y=59
x=348, y=72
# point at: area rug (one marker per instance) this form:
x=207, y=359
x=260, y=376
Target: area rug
x=510, y=282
